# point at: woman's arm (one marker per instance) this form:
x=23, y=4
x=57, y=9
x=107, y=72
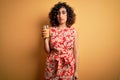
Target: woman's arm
x=76, y=54
x=46, y=45
x=46, y=41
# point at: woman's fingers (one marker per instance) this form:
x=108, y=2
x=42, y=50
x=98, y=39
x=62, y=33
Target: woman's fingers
x=44, y=32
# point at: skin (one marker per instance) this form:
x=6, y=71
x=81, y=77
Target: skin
x=62, y=18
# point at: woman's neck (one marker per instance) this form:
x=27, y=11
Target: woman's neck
x=62, y=26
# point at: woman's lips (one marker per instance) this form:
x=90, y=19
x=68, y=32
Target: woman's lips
x=61, y=19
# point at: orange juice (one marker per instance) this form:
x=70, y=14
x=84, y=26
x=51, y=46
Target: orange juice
x=46, y=28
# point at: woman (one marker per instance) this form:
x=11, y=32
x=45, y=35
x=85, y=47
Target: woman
x=61, y=46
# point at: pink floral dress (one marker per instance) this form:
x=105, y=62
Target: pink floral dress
x=60, y=63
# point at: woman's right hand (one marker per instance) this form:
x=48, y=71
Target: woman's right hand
x=44, y=32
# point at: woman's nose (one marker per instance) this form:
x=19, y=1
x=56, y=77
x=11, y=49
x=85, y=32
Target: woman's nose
x=60, y=15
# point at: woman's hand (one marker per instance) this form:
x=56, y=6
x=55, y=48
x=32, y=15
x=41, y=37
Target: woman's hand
x=76, y=75
x=44, y=32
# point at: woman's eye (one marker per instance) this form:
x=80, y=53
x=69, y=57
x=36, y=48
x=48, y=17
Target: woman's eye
x=63, y=12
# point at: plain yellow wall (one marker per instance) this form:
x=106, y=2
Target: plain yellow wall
x=22, y=56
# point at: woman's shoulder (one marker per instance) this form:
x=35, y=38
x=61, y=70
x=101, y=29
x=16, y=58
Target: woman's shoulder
x=52, y=29
x=72, y=28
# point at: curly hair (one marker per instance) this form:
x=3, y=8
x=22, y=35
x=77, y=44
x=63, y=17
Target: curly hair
x=54, y=12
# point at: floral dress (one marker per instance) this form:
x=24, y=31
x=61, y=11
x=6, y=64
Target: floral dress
x=60, y=63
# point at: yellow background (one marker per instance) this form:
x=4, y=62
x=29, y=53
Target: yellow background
x=22, y=55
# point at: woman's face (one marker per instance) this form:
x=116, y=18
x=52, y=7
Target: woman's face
x=62, y=16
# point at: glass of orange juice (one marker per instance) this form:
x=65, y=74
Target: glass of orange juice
x=46, y=28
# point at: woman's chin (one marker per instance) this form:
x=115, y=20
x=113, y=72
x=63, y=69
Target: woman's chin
x=62, y=23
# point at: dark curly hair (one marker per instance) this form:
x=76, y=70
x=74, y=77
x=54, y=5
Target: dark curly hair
x=54, y=11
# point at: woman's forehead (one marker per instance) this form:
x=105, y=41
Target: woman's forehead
x=62, y=9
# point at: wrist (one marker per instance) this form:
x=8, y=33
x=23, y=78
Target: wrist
x=46, y=38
